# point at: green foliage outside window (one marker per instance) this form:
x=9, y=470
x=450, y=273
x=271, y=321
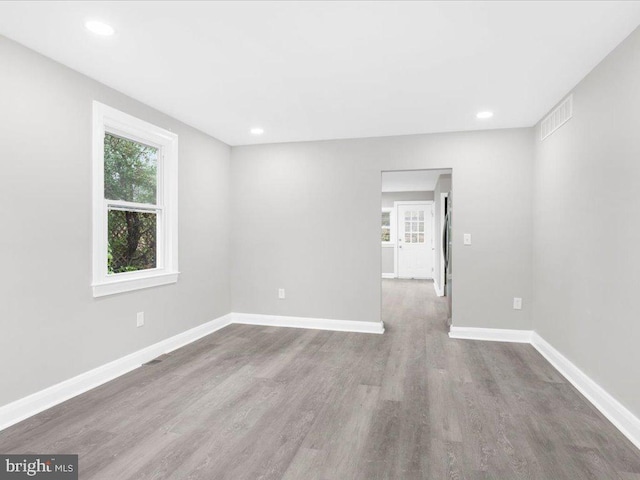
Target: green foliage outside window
x=130, y=174
x=386, y=227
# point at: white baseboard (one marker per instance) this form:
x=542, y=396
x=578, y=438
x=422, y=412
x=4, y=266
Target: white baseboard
x=21, y=409
x=304, y=322
x=35, y=403
x=26, y=407
x=618, y=414
x=491, y=334
x=612, y=409
x=436, y=286
x=389, y=275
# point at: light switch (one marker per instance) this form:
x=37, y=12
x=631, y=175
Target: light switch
x=467, y=239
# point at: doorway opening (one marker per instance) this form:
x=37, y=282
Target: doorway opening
x=416, y=217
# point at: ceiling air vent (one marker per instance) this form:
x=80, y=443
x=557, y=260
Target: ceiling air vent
x=560, y=115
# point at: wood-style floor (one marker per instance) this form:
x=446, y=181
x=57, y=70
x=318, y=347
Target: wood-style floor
x=253, y=402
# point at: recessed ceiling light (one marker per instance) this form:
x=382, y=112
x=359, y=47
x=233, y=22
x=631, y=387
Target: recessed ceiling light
x=484, y=114
x=257, y=131
x=99, y=28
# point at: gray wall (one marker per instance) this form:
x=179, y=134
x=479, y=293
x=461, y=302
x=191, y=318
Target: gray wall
x=389, y=197
x=442, y=186
x=51, y=326
x=587, y=230
x=306, y=217
x=387, y=252
x=387, y=259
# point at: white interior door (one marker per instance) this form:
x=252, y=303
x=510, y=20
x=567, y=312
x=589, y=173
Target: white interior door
x=415, y=240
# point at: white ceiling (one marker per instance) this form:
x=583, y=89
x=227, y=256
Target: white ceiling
x=411, y=180
x=320, y=70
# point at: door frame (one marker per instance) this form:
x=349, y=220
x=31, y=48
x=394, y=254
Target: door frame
x=397, y=204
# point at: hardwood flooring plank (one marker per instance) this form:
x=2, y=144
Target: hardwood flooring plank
x=307, y=463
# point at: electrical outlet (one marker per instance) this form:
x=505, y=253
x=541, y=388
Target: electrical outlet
x=517, y=303
x=467, y=239
x=281, y=293
x=140, y=319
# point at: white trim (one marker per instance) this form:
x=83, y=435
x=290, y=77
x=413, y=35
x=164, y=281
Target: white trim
x=436, y=287
x=153, y=278
x=621, y=417
x=491, y=334
x=616, y=413
x=389, y=275
x=35, y=403
x=107, y=119
x=26, y=407
x=305, y=322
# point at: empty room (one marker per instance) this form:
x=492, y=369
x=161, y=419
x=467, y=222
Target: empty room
x=319, y=240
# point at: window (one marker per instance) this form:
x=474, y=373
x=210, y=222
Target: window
x=414, y=227
x=135, y=210
x=386, y=226
x=387, y=233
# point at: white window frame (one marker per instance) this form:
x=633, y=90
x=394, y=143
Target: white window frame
x=109, y=120
x=392, y=226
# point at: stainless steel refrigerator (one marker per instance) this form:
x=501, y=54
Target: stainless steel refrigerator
x=446, y=251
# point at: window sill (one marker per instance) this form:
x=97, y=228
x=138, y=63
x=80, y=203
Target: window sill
x=388, y=245
x=121, y=285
